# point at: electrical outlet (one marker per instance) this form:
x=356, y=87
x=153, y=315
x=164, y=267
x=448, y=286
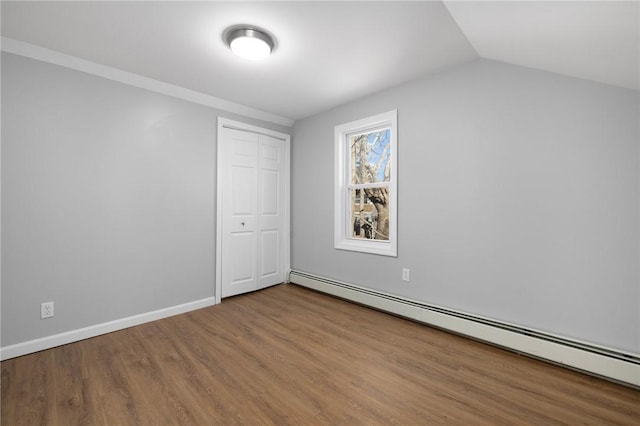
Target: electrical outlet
x=406, y=275
x=46, y=310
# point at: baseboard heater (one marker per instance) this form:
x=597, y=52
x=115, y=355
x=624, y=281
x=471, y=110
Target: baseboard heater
x=601, y=361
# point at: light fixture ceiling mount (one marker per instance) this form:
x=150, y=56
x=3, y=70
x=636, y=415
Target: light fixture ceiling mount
x=249, y=42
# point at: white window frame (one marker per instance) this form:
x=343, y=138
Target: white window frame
x=343, y=224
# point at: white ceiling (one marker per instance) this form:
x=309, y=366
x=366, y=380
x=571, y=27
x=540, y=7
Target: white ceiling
x=329, y=53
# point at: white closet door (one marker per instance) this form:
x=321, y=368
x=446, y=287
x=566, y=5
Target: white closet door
x=270, y=211
x=239, y=206
x=253, y=216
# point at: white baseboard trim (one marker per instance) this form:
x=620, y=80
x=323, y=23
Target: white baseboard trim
x=609, y=363
x=48, y=342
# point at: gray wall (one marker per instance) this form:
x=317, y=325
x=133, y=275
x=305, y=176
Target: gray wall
x=518, y=200
x=108, y=199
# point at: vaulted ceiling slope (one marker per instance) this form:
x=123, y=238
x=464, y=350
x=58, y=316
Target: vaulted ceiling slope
x=594, y=40
x=329, y=53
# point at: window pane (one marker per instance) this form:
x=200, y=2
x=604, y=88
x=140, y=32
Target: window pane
x=369, y=156
x=369, y=213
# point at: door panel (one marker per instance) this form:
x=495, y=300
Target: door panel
x=244, y=146
x=270, y=192
x=242, y=267
x=271, y=153
x=244, y=193
x=269, y=250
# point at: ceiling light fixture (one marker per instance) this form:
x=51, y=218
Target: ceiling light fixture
x=249, y=43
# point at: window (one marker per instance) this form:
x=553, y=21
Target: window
x=365, y=185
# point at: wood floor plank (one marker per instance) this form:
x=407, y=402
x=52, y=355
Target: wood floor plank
x=290, y=356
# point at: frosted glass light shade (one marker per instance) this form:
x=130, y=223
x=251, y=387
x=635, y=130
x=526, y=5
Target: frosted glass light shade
x=250, y=44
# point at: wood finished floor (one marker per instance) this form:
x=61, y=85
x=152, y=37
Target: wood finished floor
x=288, y=355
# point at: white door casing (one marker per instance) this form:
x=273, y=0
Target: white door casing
x=252, y=243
